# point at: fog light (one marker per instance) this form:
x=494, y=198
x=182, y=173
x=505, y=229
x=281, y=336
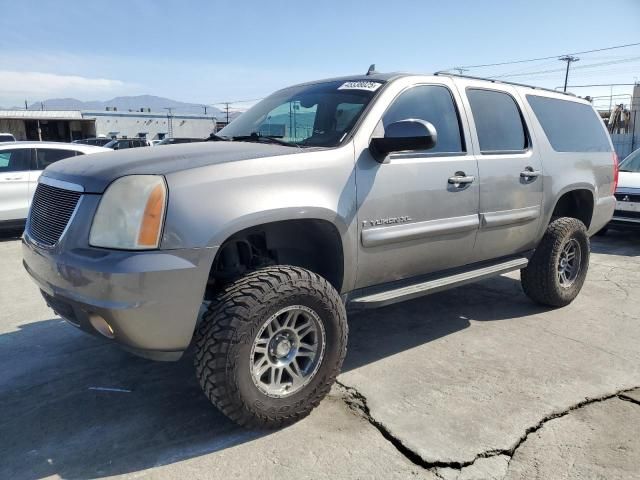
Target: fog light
x=101, y=325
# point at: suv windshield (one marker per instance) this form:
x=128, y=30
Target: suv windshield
x=631, y=163
x=319, y=115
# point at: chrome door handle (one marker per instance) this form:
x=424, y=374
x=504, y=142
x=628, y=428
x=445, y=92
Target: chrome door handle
x=529, y=172
x=461, y=179
x=14, y=178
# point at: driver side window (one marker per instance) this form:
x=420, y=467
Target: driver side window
x=434, y=104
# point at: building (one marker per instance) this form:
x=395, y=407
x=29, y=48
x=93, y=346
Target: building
x=68, y=125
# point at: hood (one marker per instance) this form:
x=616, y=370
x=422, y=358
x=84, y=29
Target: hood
x=96, y=171
x=629, y=180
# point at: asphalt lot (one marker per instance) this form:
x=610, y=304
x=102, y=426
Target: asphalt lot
x=476, y=382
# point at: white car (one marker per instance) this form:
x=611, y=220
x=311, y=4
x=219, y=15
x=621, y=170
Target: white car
x=7, y=137
x=21, y=164
x=627, y=212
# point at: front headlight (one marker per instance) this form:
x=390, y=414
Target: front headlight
x=130, y=214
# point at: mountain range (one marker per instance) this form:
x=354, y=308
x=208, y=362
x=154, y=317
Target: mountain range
x=135, y=103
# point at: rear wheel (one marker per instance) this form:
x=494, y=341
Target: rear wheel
x=556, y=272
x=271, y=345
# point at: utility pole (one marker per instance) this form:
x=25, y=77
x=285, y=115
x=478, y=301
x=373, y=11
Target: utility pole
x=169, y=121
x=226, y=108
x=26, y=106
x=460, y=70
x=569, y=59
x=205, y=109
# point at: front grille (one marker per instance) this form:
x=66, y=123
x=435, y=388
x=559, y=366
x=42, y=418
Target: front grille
x=628, y=197
x=50, y=212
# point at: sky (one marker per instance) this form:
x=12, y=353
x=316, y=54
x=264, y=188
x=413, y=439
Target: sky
x=207, y=51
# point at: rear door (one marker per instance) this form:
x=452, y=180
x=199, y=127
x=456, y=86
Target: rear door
x=14, y=183
x=509, y=167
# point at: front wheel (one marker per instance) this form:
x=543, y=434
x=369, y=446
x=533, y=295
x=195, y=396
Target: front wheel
x=271, y=345
x=556, y=272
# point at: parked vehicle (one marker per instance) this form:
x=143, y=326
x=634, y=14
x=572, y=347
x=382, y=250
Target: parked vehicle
x=7, y=137
x=174, y=140
x=21, y=164
x=155, y=142
x=627, y=212
x=97, y=141
x=122, y=143
x=380, y=189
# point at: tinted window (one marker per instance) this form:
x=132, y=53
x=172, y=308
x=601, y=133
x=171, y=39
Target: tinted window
x=7, y=138
x=631, y=163
x=15, y=160
x=434, y=104
x=498, y=121
x=570, y=126
x=46, y=156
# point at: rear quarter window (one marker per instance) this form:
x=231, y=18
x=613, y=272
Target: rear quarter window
x=570, y=126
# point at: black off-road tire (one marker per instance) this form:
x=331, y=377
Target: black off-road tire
x=225, y=337
x=540, y=277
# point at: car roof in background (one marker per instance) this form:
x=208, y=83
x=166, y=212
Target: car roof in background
x=80, y=147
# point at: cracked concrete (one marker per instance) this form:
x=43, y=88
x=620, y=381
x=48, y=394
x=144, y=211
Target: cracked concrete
x=474, y=383
x=490, y=464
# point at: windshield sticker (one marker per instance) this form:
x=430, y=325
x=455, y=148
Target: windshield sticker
x=361, y=85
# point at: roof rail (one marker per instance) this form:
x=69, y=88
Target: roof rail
x=494, y=80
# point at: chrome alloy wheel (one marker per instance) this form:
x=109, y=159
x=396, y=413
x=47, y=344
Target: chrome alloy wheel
x=569, y=263
x=287, y=351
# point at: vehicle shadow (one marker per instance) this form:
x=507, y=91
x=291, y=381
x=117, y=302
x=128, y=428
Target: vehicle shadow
x=617, y=242
x=76, y=406
x=10, y=234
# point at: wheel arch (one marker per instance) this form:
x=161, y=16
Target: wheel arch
x=576, y=201
x=315, y=243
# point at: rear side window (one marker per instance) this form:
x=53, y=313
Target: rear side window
x=498, y=121
x=570, y=126
x=15, y=160
x=47, y=156
x=434, y=104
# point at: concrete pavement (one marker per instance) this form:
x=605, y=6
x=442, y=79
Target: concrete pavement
x=476, y=382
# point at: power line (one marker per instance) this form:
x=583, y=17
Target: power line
x=554, y=70
x=549, y=57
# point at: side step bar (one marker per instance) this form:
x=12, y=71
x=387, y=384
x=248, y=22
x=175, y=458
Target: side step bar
x=410, y=291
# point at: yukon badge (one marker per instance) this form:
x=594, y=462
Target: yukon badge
x=385, y=221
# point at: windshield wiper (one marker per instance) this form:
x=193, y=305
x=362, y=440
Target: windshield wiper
x=255, y=137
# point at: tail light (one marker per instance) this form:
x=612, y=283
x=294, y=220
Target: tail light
x=616, y=171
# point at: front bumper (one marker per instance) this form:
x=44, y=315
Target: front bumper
x=620, y=220
x=150, y=299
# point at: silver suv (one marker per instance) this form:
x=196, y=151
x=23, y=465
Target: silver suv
x=349, y=193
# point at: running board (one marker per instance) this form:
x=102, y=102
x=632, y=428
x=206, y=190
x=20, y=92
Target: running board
x=414, y=290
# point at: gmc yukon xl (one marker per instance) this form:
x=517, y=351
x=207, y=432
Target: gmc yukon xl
x=335, y=195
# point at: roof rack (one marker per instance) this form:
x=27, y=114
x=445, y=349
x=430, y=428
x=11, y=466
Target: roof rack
x=493, y=80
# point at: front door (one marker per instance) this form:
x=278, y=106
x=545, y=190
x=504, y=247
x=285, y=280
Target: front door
x=417, y=210
x=510, y=171
x=14, y=183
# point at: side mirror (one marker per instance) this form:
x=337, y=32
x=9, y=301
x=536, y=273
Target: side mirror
x=409, y=134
